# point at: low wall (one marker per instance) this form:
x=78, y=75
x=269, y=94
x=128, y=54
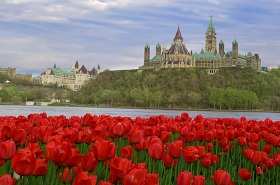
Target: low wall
x=30, y=103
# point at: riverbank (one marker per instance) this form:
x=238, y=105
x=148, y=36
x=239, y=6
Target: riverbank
x=153, y=108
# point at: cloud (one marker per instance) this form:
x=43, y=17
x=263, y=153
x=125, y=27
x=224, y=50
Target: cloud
x=113, y=33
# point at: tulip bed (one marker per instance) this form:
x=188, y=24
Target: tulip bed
x=104, y=150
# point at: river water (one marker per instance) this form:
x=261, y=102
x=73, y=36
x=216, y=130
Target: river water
x=12, y=110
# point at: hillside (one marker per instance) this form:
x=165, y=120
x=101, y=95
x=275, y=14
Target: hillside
x=18, y=91
x=229, y=88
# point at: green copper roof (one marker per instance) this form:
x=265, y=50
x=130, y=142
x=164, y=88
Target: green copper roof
x=147, y=46
x=235, y=42
x=202, y=50
x=221, y=42
x=249, y=54
x=156, y=58
x=206, y=56
x=58, y=71
x=158, y=45
x=211, y=24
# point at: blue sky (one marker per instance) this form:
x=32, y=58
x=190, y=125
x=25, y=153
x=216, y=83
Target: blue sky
x=36, y=34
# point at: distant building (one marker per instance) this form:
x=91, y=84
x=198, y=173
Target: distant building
x=178, y=56
x=11, y=72
x=73, y=79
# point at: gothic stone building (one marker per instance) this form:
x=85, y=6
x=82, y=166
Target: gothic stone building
x=73, y=79
x=178, y=56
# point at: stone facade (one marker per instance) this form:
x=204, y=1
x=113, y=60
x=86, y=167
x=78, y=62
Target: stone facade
x=11, y=72
x=178, y=56
x=73, y=79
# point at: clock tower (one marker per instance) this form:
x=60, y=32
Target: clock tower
x=210, y=43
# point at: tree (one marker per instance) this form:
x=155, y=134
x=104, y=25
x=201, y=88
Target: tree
x=16, y=100
x=136, y=96
x=95, y=97
x=156, y=98
x=194, y=98
x=173, y=98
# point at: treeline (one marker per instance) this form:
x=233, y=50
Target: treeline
x=229, y=88
x=18, y=91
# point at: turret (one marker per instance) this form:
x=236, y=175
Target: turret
x=178, y=36
x=146, y=54
x=210, y=41
x=158, y=49
x=77, y=64
x=221, y=48
x=234, y=49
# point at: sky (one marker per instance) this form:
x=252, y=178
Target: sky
x=36, y=34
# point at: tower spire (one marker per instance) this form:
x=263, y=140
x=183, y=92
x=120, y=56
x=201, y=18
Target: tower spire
x=178, y=35
x=211, y=25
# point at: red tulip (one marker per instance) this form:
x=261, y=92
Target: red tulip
x=41, y=167
x=200, y=134
x=19, y=136
x=230, y=134
x=200, y=151
x=190, y=154
x=104, y=183
x=119, y=167
x=98, y=133
x=82, y=178
x=118, y=129
x=165, y=136
x=43, y=133
x=175, y=148
x=257, y=157
x=104, y=149
x=126, y=152
x=267, y=148
x=184, y=116
x=206, y=161
x=7, y=131
x=73, y=159
x=136, y=176
x=259, y=170
x=253, y=145
x=224, y=142
x=248, y=153
x=79, y=168
x=220, y=134
x=190, y=137
x=7, y=180
x=58, y=152
x=156, y=150
x=244, y=174
x=269, y=163
x=221, y=177
x=168, y=161
x=35, y=149
x=208, y=147
x=276, y=158
x=198, y=180
x=23, y=162
x=184, y=178
x=152, y=179
x=208, y=135
x=7, y=149
x=66, y=175
x=136, y=136
x=89, y=163
x=242, y=141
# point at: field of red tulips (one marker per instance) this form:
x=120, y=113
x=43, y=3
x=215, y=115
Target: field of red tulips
x=101, y=149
